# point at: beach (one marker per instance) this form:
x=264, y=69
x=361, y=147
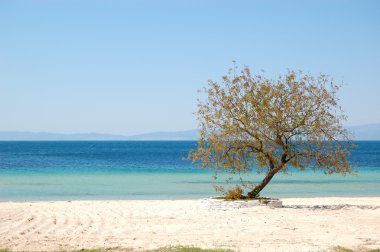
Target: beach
x=303, y=224
x=189, y=126
x=59, y=196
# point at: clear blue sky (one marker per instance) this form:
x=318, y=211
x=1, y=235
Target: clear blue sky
x=129, y=67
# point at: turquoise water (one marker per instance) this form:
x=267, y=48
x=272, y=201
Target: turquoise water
x=152, y=170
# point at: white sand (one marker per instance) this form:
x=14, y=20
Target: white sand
x=47, y=226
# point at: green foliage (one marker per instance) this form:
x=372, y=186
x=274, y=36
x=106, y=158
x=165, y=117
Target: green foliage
x=254, y=194
x=101, y=250
x=165, y=249
x=343, y=249
x=250, y=122
x=193, y=249
x=189, y=249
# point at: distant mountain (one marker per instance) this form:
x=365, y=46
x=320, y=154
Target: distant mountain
x=45, y=136
x=363, y=132
x=176, y=135
x=366, y=132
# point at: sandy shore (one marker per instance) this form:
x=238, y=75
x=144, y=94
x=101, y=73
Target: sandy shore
x=299, y=226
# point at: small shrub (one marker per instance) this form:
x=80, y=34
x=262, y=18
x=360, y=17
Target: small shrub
x=343, y=249
x=234, y=193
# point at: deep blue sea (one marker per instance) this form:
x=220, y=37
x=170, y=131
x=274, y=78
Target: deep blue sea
x=153, y=170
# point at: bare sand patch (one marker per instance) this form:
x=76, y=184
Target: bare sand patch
x=303, y=224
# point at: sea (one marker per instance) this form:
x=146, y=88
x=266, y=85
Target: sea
x=114, y=170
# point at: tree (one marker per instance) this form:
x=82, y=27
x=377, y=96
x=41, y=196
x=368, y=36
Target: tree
x=253, y=123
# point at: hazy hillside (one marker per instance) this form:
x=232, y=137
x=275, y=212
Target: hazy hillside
x=45, y=136
x=366, y=132
x=177, y=135
x=363, y=132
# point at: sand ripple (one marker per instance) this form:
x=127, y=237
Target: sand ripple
x=53, y=226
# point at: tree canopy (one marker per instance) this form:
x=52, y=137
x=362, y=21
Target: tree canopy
x=252, y=123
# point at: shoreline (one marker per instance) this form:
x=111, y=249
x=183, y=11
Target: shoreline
x=182, y=199
x=150, y=224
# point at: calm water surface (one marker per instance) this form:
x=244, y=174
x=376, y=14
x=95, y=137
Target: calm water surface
x=152, y=170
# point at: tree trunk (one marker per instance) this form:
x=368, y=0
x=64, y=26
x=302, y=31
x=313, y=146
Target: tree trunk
x=255, y=192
